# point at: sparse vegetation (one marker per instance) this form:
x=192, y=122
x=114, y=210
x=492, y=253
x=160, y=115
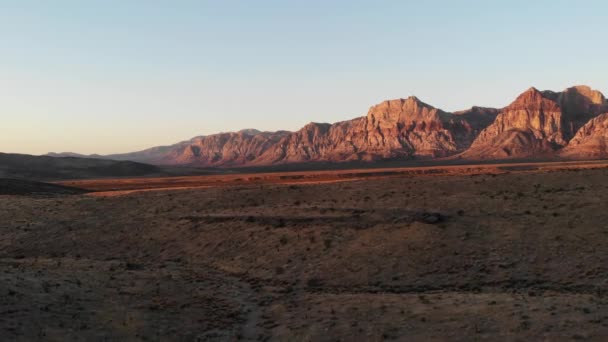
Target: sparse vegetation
x=207, y=263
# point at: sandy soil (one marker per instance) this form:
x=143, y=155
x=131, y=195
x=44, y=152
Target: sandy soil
x=513, y=255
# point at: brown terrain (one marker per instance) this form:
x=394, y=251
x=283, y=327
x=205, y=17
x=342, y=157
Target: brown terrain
x=461, y=253
x=537, y=125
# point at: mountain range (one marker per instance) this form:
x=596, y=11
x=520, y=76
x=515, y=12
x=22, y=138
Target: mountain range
x=571, y=124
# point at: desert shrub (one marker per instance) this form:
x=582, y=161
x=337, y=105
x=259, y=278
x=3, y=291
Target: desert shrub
x=280, y=223
x=313, y=282
x=283, y=240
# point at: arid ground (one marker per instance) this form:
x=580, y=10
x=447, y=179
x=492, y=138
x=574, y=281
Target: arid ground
x=510, y=252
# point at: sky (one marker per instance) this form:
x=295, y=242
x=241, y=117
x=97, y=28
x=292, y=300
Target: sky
x=123, y=75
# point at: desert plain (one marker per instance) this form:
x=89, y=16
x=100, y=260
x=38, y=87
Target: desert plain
x=463, y=253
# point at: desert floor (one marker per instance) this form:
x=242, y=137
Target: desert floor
x=515, y=253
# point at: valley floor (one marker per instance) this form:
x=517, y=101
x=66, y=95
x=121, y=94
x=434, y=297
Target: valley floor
x=513, y=255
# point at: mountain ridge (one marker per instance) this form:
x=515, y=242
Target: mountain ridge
x=536, y=124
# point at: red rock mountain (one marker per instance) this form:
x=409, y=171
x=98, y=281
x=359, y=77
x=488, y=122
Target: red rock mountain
x=226, y=149
x=536, y=124
x=404, y=128
x=590, y=142
x=401, y=128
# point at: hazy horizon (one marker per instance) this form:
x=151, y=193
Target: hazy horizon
x=111, y=77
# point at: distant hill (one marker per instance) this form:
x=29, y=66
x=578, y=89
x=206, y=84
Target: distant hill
x=23, y=166
x=24, y=187
x=76, y=155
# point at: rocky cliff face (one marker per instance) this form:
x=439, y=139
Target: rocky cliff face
x=534, y=119
x=413, y=128
x=590, y=142
x=536, y=124
x=580, y=104
x=318, y=142
x=223, y=149
x=401, y=128
x=478, y=117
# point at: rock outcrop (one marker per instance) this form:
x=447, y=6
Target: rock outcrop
x=223, y=149
x=403, y=128
x=529, y=126
x=413, y=128
x=479, y=117
x=590, y=142
x=580, y=104
x=537, y=124
x=226, y=149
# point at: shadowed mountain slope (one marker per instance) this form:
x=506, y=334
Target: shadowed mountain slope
x=24, y=166
x=590, y=142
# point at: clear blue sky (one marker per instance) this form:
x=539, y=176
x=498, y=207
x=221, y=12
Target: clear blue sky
x=122, y=75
